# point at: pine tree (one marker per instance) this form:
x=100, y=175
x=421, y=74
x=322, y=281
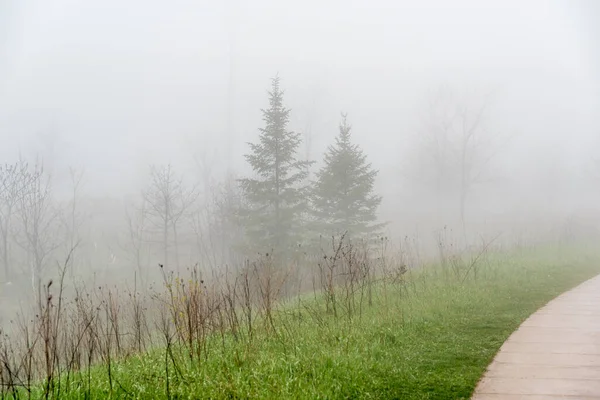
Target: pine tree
x=276, y=199
x=343, y=199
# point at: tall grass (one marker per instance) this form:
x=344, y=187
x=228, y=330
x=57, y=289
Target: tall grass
x=371, y=327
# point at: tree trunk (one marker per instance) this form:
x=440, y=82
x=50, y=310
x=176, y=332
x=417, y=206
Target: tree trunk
x=7, y=273
x=464, y=187
x=176, y=243
x=5, y=256
x=463, y=200
x=166, y=243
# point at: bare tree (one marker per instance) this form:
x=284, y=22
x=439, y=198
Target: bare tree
x=203, y=216
x=74, y=218
x=13, y=183
x=473, y=157
x=205, y=170
x=212, y=221
x=168, y=201
x=137, y=221
x=39, y=224
x=456, y=147
x=214, y=226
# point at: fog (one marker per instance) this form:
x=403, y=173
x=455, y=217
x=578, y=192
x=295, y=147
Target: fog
x=111, y=87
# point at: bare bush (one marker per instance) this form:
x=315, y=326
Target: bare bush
x=55, y=351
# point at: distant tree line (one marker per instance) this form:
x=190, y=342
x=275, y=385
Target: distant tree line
x=283, y=208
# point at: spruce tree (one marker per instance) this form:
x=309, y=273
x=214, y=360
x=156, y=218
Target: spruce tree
x=343, y=198
x=276, y=198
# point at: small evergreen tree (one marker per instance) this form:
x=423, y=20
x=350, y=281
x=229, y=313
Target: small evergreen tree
x=343, y=198
x=276, y=199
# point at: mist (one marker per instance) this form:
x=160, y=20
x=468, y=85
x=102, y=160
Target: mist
x=295, y=199
x=110, y=88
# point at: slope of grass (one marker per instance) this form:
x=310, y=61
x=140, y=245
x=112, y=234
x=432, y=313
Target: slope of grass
x=428, y=337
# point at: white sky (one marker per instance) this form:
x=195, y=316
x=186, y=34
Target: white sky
x=123, y=83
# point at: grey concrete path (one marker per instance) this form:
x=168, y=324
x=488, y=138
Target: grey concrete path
x=555, y=353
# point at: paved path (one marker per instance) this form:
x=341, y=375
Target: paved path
x=555, y=353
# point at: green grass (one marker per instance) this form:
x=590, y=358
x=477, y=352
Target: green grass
x=429, y=338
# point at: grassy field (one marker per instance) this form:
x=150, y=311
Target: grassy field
x=429, y=335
